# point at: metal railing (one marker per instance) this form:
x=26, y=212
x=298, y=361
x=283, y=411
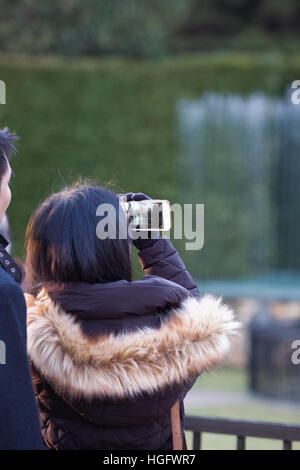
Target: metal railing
x=242, y=429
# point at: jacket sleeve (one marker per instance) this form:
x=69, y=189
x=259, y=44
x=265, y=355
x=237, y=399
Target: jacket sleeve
x=19, y=422
x=162, y=259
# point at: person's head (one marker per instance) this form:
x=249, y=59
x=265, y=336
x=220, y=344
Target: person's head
x=62, y=244
x=7, y=149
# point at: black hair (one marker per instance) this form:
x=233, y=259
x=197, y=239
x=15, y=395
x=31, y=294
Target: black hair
x=7, y=149
x=62, y=244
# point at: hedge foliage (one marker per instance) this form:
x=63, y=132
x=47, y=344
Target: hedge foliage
x=116, y=120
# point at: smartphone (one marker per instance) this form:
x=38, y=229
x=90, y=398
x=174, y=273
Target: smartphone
x=149, y=214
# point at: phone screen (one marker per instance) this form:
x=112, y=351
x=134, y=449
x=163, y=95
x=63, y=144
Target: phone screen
x=146, y=215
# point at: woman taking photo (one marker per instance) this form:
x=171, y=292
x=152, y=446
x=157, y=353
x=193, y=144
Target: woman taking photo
x=111, y=356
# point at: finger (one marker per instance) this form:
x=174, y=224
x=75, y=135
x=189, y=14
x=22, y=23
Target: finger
x=127, y=197
x=139, y=196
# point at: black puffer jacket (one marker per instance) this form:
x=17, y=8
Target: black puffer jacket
x=110, y=360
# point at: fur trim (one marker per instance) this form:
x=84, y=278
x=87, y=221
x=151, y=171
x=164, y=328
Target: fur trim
x=194, y=338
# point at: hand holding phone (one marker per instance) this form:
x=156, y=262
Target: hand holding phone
x=139, y=210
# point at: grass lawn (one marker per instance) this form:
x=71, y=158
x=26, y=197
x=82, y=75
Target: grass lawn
x=230, y=381
x=225, y=379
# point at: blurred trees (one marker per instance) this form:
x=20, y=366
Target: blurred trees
x=239, y=24
x=75, y=27
x=144, y=28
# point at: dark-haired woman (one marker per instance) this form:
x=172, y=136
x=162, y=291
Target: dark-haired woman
x=111, y=356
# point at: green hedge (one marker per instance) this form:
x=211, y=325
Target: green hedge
x=113, y=120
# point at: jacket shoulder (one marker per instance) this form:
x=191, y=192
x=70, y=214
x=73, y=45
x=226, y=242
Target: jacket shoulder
x=11, y=294
x=5, y=277
x=7, y=282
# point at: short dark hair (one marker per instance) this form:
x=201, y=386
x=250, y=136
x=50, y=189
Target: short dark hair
x=62, y=244
x=7, y=148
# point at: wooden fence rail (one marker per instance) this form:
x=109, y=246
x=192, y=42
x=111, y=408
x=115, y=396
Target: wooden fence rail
x=242, y=429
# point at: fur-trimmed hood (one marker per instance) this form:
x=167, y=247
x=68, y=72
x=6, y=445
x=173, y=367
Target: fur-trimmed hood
x=193, y=337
